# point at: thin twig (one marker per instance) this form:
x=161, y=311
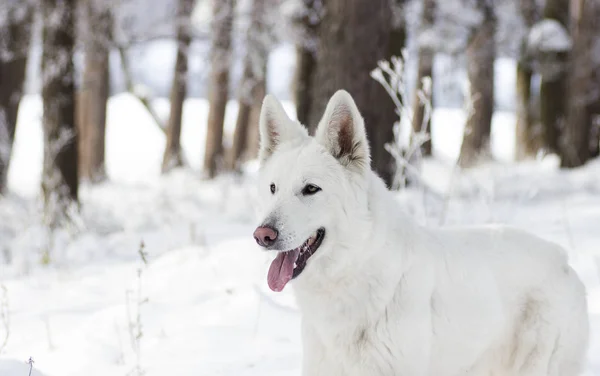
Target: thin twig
x=30, y=362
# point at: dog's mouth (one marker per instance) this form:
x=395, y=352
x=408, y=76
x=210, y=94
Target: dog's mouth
x=289, y=264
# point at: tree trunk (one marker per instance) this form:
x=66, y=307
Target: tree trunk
x=305, y=67
x=576, y=148
x=595, y=109
x=553, y=88
x=480, y=70
x=398, y=34
x=219, y=83
x=95, y=92
x=81, y=103
x=525, y=132
x=253, y=81
x=240, y=136
x=594, y=105
x=353, y=36
x=306, y=59
x=553, y=109
x=528, y=138
x=253, y=142
x=59, y=179
x=15, y=38
x=245, y=138
x=172, y=156
x=425, y=69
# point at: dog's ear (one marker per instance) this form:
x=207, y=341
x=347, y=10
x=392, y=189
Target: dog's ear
x=342, y=132
x=275, y=127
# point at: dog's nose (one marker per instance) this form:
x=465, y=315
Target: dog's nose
x=265, y=236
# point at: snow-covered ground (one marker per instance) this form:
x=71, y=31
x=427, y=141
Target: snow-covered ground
x=201, y=302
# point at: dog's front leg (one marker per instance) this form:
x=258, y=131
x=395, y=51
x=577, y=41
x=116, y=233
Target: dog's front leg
x=409, y=321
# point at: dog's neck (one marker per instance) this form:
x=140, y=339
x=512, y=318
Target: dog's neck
x=339, y=287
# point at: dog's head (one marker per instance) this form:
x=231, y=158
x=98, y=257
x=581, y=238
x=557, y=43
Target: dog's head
x=312, y=190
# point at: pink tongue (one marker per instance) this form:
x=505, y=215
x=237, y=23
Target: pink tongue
x=282, y=269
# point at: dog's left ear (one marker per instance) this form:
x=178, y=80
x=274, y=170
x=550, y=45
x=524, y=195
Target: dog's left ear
x=342, y=132
x=276, y=128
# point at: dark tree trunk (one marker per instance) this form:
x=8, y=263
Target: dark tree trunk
x=352, y=37
x=595, y=108
x=252, y=85
x=594, y=104
x=95, y=92
x=528, y=137
x=425, y=69
x=172, y=156
x=305, y=68
x=553, y=108
x=398, y=34
x=219, y=84
x=59, y=180
x=15, y=38
x=306, y=59
x=480, y=71
x=553, y=87
x=576, y=147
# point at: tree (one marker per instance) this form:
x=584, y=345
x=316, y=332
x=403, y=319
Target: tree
x=594, y=99
x=352, y=37
x=528, y=135
x=398, y=32
x=480, y=71
x=60, y=177
x=95, y=90
x=309, y=21
x=583, y=95
x=172, y=156
x=15, y=38
x=554, y=82
x=253, y=83
x=425, y=69
x=219, y=83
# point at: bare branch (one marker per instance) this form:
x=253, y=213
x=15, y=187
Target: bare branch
x=142, y=97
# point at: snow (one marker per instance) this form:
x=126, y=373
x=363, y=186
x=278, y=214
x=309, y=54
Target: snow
x=549, y=35
x=203, y=303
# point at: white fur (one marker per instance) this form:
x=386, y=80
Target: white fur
x=384, y=296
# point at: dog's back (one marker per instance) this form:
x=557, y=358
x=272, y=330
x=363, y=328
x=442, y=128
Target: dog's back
x=522, y=285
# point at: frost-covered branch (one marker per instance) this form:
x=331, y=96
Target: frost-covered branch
x=134, y=320
x=391, y=75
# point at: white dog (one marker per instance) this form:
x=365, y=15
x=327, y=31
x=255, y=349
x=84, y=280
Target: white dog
x=380, y=295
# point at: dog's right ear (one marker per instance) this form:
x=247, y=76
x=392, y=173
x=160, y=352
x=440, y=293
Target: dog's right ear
x=275, y=128
x=342, y=132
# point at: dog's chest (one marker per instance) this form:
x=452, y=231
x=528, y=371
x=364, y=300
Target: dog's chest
x=356, y=347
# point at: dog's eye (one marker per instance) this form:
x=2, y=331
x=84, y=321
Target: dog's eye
x=273, y=188
x=310, y=189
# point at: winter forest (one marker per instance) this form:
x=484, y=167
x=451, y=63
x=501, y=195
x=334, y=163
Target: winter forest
x=128, y=159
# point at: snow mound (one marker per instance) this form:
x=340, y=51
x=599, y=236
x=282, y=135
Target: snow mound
x=549, y=36
x=11, y=367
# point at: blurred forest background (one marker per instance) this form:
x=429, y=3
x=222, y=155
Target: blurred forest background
x=77, y=53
